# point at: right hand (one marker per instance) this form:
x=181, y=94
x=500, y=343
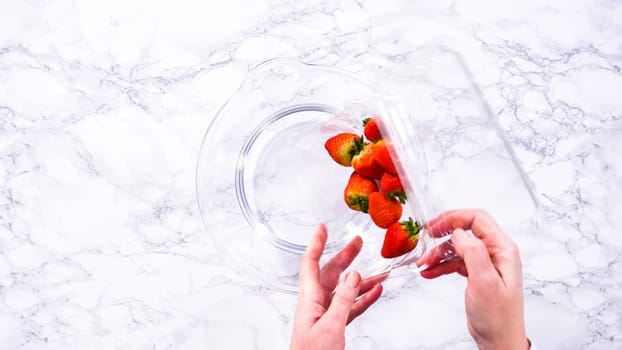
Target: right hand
x=491, y=263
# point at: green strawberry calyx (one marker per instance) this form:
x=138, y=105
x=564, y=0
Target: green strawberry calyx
x=361, y=202
x=358, y=146
x=411, y=227
x=401, y=196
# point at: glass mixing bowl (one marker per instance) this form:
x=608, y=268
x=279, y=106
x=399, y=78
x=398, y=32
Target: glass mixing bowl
x=265, y=181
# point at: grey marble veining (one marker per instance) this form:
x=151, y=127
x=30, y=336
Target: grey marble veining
x=103, y=108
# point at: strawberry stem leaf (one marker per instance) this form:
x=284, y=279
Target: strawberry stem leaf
x=401, y=196
x=357, y=147
x=411, y=227
x=361, y=202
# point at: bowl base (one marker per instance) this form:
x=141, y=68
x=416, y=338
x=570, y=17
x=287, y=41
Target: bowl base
x=283, y=192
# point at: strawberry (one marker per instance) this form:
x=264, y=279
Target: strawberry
x=383, y=210
x=365, y=163
x=382, y=157
x=357, y=192
x=343, y=147
x=371, y=129
x=401, y=237
x=392, y=186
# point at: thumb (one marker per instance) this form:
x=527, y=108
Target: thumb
x=345, y=296
x=475, y=255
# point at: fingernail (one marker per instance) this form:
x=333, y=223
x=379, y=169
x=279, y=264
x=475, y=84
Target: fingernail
x=353, y=279
x=459, y=234
x=359, y=242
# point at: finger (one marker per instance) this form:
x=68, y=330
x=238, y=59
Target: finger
x=439, y=226
x=445, y=269
x=343, y=300
x=369, y=282
x=309, y=277
x=365, y=301
x=483, y=226
x=502, y=251
x=443, y=252
x=481, y=272
x=329, y=274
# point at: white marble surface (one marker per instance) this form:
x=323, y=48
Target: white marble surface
x=103, y=107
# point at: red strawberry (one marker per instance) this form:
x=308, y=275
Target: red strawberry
x=357, y=192
x=383, y=210
x=343, y=147
x=365, y=163
x=382, y=156
x=401, y=237
x=392, y=186
x=371, y=129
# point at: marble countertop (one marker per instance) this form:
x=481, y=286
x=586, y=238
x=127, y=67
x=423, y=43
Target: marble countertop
x=103, y=107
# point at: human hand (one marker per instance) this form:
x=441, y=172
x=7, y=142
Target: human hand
x=491, y=263
x=325, y=303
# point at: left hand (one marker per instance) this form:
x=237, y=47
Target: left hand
x=325, y=303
